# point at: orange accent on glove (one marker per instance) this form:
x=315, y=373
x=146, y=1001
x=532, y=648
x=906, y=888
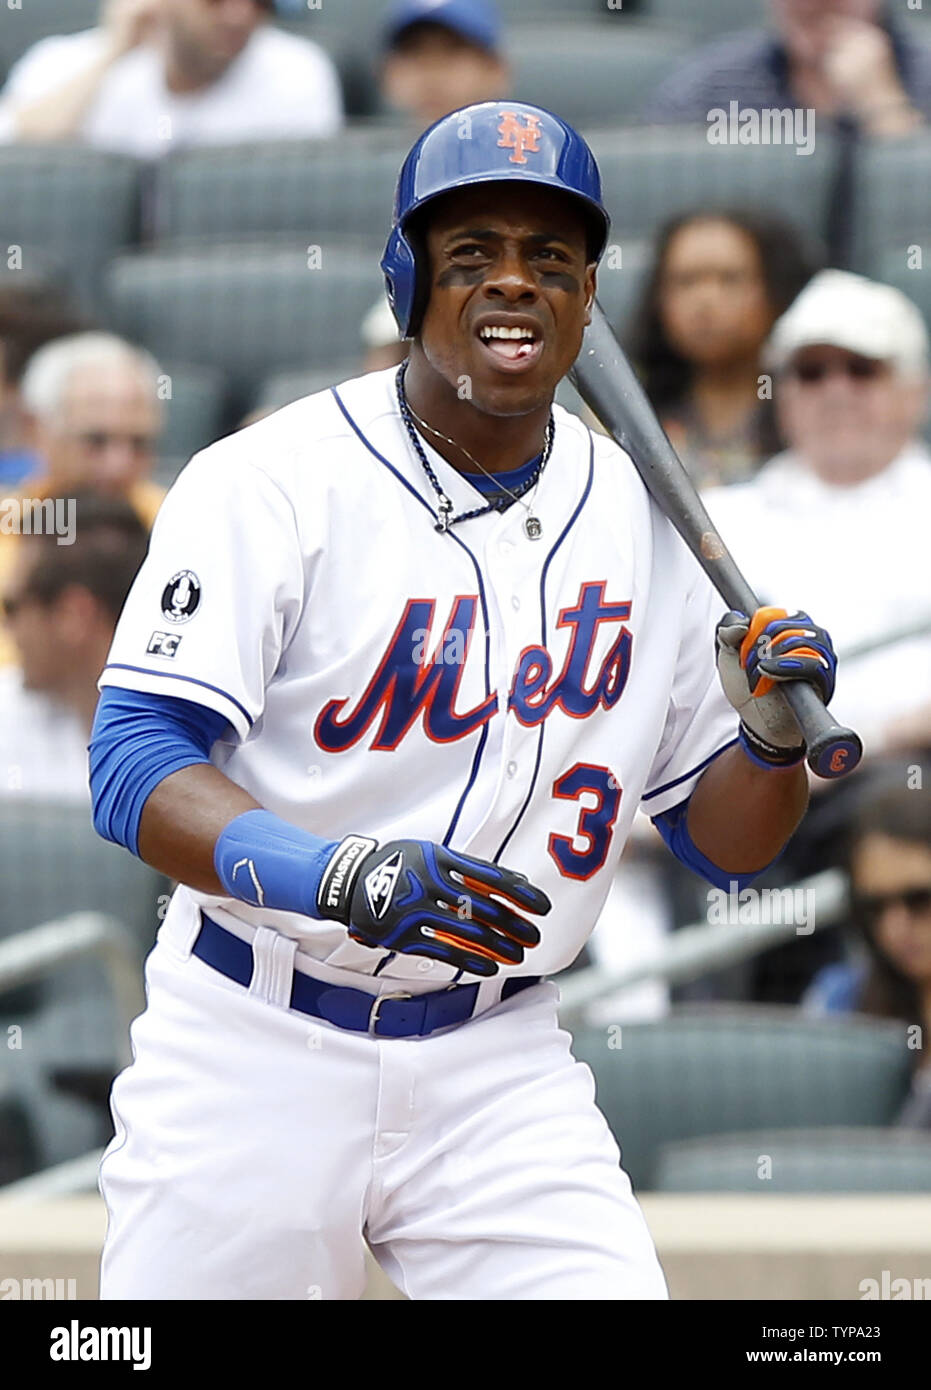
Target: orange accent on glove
x=760, y=620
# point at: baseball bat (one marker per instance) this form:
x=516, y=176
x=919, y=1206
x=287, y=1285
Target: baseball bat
x=605, y=379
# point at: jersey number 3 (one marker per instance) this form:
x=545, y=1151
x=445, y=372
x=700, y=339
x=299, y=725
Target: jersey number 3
x=596, y=824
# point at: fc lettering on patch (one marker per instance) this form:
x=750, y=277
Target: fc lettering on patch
x=164, y=643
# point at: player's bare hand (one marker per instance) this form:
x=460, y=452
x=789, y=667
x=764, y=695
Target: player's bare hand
x=127, y=23
x=421, y=899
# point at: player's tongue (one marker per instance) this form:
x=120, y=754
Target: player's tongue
x=511, y=348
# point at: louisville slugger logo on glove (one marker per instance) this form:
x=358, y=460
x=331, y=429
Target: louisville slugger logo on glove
x=754, y=655
x=419, y=898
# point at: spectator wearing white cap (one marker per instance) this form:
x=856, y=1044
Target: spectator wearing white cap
x=440, y=55
x=839, y=520
x=157, y=75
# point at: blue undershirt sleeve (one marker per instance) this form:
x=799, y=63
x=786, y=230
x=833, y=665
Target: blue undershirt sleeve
x=673, y=826
x=137, y=741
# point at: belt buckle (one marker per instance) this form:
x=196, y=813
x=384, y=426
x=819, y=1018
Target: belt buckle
x=376, y=1009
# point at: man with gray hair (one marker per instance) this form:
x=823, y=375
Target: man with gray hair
x=94, y=400
x=850, y=364
x=96, y=418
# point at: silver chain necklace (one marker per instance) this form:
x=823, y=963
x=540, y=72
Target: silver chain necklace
x=533, y=528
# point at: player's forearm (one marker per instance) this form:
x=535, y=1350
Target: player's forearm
x=182, y=820
x=741, y=815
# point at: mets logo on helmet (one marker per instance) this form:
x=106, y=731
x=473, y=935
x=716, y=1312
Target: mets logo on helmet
x=517, y=137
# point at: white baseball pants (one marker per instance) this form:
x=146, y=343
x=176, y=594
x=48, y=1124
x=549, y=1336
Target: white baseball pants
x=255, y=1147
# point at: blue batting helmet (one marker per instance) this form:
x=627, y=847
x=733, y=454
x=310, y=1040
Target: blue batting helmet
x=485, y=143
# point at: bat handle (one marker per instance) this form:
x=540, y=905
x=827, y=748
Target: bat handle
x=833, y=751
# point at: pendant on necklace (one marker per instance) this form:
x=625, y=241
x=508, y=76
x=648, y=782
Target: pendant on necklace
x=533, y=528
x=445, y=512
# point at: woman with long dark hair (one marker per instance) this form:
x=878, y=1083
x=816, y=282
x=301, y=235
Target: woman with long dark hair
x=888, y=859
x=719, y=282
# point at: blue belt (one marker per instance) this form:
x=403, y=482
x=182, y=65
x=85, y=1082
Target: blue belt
x=397, y=1015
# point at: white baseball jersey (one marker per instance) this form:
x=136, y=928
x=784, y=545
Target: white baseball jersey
x=515, y=699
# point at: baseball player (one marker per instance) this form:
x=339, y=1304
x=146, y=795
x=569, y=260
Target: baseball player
x=402, y=663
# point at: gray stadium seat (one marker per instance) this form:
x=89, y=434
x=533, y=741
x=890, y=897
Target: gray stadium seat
x=313, y=189
x=893, y=203
x=621, y=282
x=651, y=174
x=706, y=19
x=590, y=73
x=804, y=1160
x=710, y=1070
x=195, y=415
x=283, y=388
x=39, y=19
x=892, y=268
x=67, y=206
x=245, y=310
x=53, y=863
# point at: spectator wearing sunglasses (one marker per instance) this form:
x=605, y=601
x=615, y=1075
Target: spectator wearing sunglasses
x=96, y=419
x=838, y=520
x=888, y=973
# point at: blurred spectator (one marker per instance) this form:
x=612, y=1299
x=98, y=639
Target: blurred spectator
x=719, y=282
x=383, y=347
x=441, y=55
x=31, y=314
x=853, y=492
x=889, y=976
x=158, y=75
x=61, y=601
x=836, y=57
x=96, y=418
x=96, y=413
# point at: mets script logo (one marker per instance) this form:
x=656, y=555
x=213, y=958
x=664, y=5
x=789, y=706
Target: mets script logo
x=379, y=885
x=517, y=137
x=411, y=683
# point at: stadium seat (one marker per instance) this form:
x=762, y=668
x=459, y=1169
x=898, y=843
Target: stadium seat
x=803, y=1160
x=68, y=206
x=721, y=1069
x=314, y=189
x=40, y=19
x=590, y=73
x=246, y=309
x=706, y=19
x=195, y=414
x=19, y=1151
x=53, y=863
x=283, y=388
x=653, y=173
x=893, y=204
x=892, y=268
x=622, y=278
